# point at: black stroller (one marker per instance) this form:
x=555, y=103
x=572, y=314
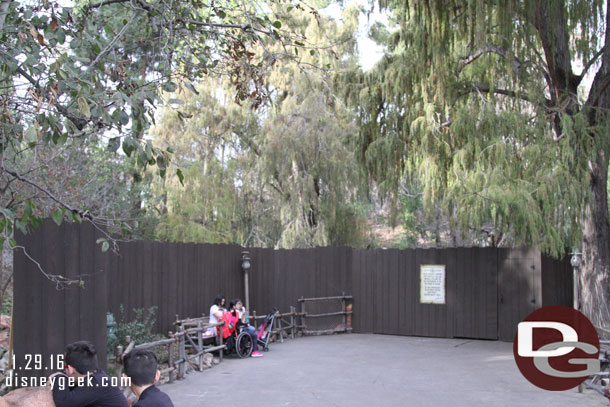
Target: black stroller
x=264, y=331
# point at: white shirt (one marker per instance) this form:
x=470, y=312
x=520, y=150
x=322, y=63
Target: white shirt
x=214, y=308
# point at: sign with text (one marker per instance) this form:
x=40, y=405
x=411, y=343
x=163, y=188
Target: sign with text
x=432, y=284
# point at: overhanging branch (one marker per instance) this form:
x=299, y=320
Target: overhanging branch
x=510, y=93
x=591, y=62
x=492, y=49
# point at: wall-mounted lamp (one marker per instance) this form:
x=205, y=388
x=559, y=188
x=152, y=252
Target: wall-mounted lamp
x=246, y=264
x=576, y=262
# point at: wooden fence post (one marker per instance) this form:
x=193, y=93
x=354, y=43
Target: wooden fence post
x=170, y=359
x=303, y=325
x=292, y=321
x=343, y=309
x=200, y=345
x=182, y=369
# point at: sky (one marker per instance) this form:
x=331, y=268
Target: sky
x=369, y=52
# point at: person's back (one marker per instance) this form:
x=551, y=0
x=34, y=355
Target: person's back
x=141, y=367
x=92, y=386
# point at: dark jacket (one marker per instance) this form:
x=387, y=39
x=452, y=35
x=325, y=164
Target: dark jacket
x=153, y=397
x=95, y=392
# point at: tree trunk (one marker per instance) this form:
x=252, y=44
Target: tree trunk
x=595, y=272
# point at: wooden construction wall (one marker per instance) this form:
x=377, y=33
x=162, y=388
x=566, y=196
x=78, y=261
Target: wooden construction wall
x=488, y=290
x=46, y=317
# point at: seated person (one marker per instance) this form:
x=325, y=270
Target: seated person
x=238, y=309
x=141, y=367
x=216, y=311
x=92, y=387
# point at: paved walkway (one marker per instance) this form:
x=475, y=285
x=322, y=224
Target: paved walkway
x=372, y=370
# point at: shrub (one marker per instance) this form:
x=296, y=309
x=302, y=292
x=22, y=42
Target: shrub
x=140, y=328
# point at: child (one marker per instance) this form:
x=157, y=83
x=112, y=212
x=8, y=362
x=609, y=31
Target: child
x=141, y=367
x=94, y=389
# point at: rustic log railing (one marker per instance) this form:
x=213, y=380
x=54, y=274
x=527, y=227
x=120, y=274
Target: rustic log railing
x=182, y=340
x=600, y=381
x=190, y=344
x=345, y=324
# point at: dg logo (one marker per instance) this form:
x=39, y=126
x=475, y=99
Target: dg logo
x=556, y=348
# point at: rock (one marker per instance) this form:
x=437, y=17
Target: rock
x=4, y=361
x=5, y=321
x=208, y=359
x=4, y=339
x=28, y=397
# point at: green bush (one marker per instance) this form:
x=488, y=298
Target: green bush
x=140, y=328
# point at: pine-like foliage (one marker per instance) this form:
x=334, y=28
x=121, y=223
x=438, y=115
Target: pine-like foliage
x=481, y=100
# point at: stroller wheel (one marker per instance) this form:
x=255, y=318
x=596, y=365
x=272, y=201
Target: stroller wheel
x=266, y=349
x=244, y=345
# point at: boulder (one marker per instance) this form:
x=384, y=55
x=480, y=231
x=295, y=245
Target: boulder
x=28, y=397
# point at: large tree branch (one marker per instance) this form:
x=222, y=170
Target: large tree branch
x=550, y=21
x=82, y=214
x=591, y=62
x=598, y=95
x=501, y=51
x=113, y=41
x=106, y=3
x=79, y=122
x=511, y=93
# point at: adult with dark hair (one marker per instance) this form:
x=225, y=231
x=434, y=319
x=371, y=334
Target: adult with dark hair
x=141, y=367
x=237, y=308
x=216, y=311
x=92, y=386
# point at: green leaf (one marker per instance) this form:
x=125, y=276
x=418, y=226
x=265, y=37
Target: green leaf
x=123, y=118
x=312, y=52
x=83, y=107
x=58, y=216
x=180, y=176
x=114, y=144
x=169, y=86
x=277, y=24
x=29, y=209
x=105, y=246
x=22, y=226
x=190, y=87
x=128, y=146
x=76, y=217
x=6, y=212
x=149, y=150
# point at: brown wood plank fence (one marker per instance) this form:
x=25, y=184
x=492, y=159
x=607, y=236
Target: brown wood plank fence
x=488, y=290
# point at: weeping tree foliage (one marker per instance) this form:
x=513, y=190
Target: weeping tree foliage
x=215, y=196
x=501, y=107
x=282, y=176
